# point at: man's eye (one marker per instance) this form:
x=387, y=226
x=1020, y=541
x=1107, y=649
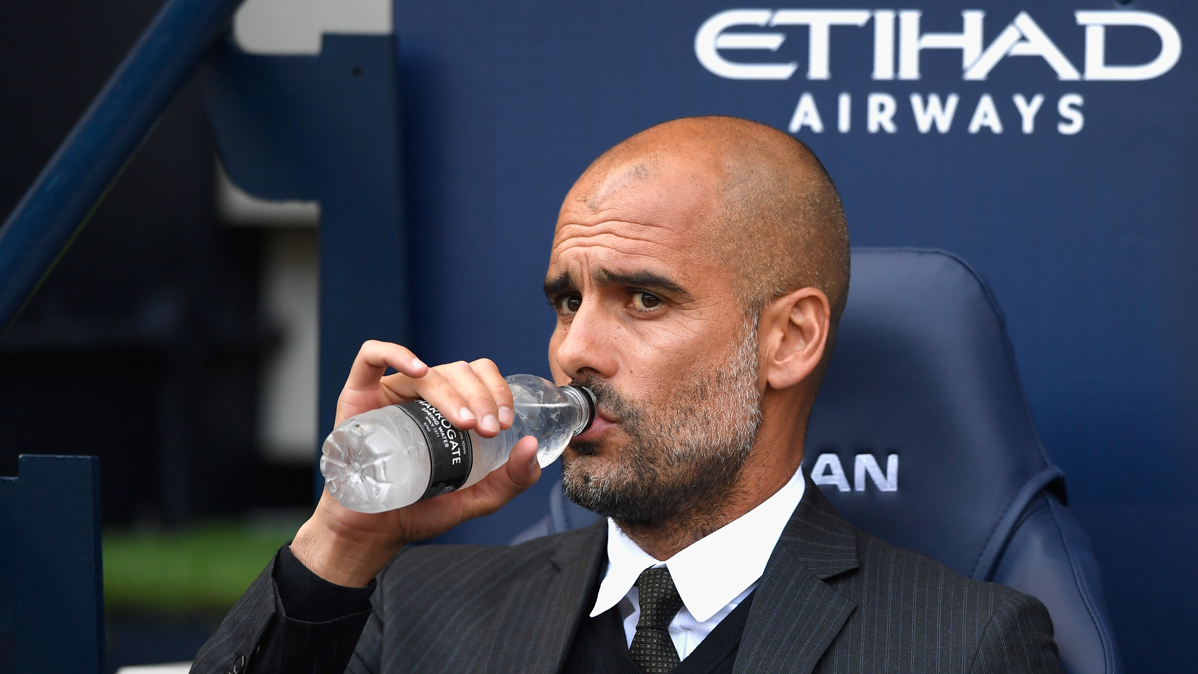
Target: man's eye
x=644, y=301
x=569, y=304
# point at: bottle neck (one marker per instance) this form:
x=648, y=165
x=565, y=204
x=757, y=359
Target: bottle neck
x=584, y=401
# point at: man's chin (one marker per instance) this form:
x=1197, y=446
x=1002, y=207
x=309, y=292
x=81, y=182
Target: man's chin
x=586, y=462
x=595, y=494
x=583, y=470
x=599, y=484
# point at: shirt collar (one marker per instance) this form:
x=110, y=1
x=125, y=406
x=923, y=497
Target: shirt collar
x=713, y=570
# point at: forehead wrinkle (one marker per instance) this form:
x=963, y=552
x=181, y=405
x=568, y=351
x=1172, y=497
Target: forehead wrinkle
x=612, y=215
x=656, y=200
x=626, y=263
x=608, y=236
x=621, y=248
x=622, y=237
x=608, y=226
x=699, y=255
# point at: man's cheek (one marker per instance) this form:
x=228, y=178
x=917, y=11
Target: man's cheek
x=554, y=369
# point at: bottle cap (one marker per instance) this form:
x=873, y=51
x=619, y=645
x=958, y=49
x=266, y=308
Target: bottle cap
x=590, y=398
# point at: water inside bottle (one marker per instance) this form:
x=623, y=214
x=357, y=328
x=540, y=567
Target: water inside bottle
x=546, y=413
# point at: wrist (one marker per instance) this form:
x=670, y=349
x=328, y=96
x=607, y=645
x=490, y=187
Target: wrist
x=341, y=555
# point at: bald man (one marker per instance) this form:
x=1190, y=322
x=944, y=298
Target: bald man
x=698, y=271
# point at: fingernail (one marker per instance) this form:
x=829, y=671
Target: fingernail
x=466, y=414
x=506, y=415
x=532, y=461
x=489, y=423
x=417, y=363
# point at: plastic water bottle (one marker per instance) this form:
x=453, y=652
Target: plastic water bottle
x=394, y=456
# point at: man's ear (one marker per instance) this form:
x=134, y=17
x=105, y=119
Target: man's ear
x=793, y=333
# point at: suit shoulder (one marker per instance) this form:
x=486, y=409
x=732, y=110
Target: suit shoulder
x=908, y=566
x=1019, y=635
x=907, y=600
x=898, y=583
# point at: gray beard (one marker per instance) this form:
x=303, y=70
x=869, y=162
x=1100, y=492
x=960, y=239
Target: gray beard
x=681, y=457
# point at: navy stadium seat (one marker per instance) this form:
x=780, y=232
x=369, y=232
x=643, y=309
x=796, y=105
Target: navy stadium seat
x=921, y=435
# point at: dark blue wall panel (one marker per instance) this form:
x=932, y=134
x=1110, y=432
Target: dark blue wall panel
x=1088, y=239
x=51, y=591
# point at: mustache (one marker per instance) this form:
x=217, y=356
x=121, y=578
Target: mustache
x=608, y=401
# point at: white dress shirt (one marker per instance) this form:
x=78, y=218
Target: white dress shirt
x=713, y=575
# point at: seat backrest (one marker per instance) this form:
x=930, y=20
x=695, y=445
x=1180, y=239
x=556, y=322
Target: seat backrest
x=51, y=601
x=921, y=432
x=922, y=435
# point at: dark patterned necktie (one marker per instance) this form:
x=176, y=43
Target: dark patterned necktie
x=652, y=649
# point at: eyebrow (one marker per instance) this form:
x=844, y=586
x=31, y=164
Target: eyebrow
x=639, y=279
x=557, y=285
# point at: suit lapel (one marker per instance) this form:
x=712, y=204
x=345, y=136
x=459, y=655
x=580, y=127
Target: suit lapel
x=795, y=614
x=542, y=613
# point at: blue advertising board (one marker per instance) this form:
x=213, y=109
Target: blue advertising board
x=1052, y=145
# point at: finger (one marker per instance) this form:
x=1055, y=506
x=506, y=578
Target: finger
x=373, y=360
x=523, y=464
x=478, y=396
x=488, y=372
x=443, y=394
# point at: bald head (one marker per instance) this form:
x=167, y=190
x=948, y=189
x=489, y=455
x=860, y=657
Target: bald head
x=776, y=221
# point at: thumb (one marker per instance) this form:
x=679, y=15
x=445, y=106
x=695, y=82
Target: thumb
x=519, y=473
x=522, y=466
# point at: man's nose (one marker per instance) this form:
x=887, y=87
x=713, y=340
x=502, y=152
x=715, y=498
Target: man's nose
x=586, y=348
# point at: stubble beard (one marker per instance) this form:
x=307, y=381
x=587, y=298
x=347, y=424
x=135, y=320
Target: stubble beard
x=683, y=457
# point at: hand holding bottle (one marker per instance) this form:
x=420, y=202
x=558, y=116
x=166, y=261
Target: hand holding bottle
x=348, y=547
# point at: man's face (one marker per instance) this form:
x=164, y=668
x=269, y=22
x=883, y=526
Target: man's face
x=649, y=320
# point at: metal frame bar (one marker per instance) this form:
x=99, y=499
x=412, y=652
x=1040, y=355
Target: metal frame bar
x=64, y=196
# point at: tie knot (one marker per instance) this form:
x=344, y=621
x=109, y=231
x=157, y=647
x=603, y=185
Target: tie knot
x=658, y=597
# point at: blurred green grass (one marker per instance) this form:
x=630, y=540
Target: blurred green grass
x=202, y=568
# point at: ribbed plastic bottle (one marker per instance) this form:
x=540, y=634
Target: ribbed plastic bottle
x=394, y=456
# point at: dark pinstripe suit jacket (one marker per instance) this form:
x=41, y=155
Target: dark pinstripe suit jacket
x=832, y=599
